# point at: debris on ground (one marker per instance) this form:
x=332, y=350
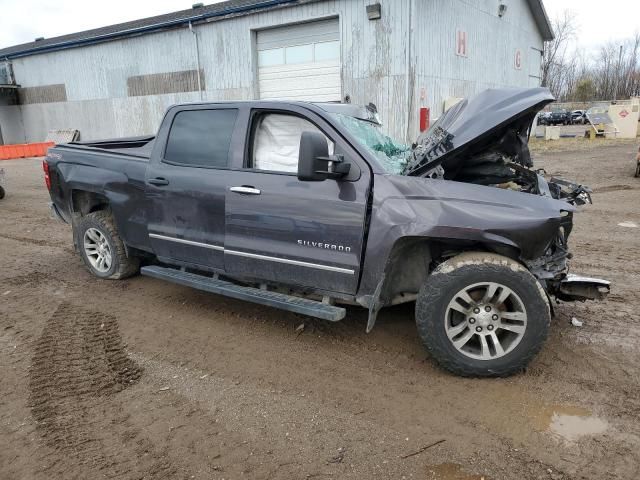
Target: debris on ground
x=426, y=447
x=628, y=224
x=575, y=322
x=339, y=457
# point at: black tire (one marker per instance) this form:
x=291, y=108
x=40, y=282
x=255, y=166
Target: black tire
x=465, y=270
x=121, y=266
x=637, y=174
x=2, y=193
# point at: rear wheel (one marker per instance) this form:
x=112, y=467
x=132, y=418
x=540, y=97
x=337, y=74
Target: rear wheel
x=481, y=314
x=102, y=249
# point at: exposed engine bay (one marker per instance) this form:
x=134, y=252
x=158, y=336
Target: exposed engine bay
x=507, y=164
x=501, y=159
x=484, y=141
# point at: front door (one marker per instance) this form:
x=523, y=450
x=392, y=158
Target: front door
x=282, y=229
x=186, y=187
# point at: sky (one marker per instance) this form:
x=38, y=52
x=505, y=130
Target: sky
x=22, y=21
x=598, y=21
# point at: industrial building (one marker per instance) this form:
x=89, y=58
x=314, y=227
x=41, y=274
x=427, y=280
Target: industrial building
x=402, y=55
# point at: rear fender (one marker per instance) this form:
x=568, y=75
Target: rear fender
x=93, y=189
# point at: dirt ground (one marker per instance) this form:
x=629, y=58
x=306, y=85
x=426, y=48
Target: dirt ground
x=144, y=379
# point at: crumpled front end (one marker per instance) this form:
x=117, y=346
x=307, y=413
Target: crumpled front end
x=552, y=268
x=483, y=141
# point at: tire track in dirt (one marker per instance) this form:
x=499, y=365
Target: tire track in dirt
x=30, y=280
x=78, y=367
x=33, y=241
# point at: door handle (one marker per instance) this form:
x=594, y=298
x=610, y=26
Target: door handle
x=246, y=190
x=159, y=181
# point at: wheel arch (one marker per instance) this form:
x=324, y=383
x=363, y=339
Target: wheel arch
x=84, y=202
x=413, y=258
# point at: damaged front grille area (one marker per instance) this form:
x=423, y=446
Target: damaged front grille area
x=553, y=265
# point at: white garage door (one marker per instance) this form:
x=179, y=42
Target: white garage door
x=300, y=62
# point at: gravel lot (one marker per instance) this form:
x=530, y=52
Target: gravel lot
x=145, y=379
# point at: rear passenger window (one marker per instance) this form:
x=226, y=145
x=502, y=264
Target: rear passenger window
x=201, y=138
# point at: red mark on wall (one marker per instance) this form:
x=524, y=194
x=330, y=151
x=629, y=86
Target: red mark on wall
x=461, y=43
x=517, y=60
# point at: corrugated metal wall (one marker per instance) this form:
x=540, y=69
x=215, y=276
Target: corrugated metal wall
x=100, y=81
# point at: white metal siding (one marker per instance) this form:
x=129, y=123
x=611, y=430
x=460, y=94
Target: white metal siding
x=314, y=78
x=374, y=64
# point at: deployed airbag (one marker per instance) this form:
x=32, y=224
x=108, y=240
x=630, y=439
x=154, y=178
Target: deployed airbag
x=277, y=142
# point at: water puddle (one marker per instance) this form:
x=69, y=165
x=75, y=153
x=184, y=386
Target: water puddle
x=572, y=427
x=568, y=422
x=451, y=471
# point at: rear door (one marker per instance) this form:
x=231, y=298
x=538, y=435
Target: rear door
x=281, y=229
x=186, y=186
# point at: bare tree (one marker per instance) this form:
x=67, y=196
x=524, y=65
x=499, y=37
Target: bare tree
x=616, y=69
x=554, y=60
x=630, y=82
x=613, y=72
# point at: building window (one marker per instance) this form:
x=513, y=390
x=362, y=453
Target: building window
x=308, y=53
x=299, y=54
x=327, y=51
x=269, y=58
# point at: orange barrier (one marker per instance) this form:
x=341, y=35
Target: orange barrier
x=9, y=152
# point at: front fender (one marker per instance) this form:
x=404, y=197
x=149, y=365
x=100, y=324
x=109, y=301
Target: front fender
x=455, y=213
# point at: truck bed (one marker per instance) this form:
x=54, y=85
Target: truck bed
x=135, y=146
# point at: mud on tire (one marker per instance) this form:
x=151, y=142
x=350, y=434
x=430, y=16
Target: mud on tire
x=120, y=266
x=477, y=273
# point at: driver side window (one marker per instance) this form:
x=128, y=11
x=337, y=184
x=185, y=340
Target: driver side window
x=276, y=142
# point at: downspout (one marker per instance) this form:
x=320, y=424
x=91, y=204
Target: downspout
x=195, y=39
x=408, y=68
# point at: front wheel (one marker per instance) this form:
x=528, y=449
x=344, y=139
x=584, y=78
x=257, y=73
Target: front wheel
x=482, y=315
x=102, y=248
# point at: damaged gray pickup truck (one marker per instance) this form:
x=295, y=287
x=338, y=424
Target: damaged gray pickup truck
x=308, y=207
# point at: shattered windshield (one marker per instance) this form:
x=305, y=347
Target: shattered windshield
x=393, y=155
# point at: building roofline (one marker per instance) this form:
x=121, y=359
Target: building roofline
x=146, y=25
x=206, y=13
x=542, y=19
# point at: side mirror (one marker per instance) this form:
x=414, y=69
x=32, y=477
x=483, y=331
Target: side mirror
x=314, y=162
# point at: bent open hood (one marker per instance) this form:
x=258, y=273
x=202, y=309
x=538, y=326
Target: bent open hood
x=497, y=119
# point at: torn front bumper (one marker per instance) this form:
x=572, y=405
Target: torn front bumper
x=575, y=287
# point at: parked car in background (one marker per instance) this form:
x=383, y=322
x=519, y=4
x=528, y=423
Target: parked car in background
x=543, y=118
x=559, y=116
x=579, y=116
